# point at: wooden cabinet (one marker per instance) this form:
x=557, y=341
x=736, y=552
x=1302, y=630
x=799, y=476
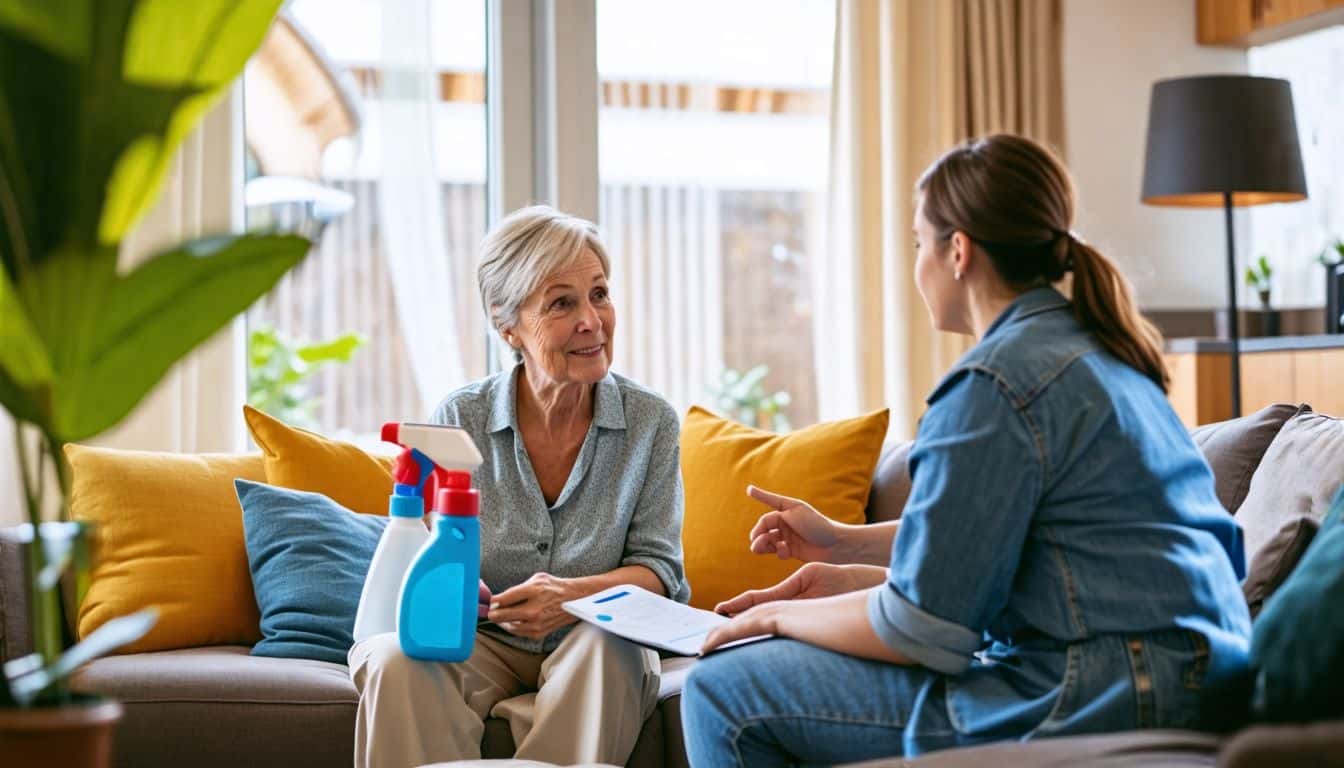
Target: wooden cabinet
x=1244, y=23
x=1268, y=13
x=1266, y=378
x=1201, y=388
x=1223, y=22
x=1200, y=393
x=1318, y=378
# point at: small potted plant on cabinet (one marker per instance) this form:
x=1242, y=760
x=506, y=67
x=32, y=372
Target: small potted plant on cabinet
x=1260, y=277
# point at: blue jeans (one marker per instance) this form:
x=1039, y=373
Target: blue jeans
x=782, y=702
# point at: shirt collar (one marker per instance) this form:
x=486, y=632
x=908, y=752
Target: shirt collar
x=1033, y=302
x=608, y=410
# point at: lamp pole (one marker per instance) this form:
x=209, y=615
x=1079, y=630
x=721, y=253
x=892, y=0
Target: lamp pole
x=1233, y=325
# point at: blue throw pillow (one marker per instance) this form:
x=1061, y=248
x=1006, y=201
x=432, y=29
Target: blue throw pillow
x=308, y=556
x=1297, y=646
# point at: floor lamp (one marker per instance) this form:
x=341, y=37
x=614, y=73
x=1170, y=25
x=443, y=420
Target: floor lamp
x=1223, y=140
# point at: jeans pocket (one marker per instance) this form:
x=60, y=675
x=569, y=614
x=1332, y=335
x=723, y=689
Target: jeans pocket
x=1067, y=700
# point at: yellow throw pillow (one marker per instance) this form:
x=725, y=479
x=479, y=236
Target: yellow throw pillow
x=305, y=461
x=167, y=533
x=828, y=465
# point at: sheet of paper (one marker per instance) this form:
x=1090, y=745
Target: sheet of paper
x=648, y=619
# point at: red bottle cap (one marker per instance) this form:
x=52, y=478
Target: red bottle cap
x=456, y=497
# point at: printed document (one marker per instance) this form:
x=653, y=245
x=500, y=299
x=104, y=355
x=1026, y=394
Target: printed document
x=648, y=619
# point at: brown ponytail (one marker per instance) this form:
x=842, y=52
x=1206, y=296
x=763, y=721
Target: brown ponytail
x=1104, y=304
x=1014, y=199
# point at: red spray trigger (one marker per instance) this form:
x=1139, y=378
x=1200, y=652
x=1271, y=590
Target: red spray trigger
x=406, y=471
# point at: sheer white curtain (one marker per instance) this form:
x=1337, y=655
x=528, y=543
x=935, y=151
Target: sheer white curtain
x=410, y=201
x=667, y=281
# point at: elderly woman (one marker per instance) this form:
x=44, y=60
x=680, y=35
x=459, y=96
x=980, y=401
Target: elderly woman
x=580, y=491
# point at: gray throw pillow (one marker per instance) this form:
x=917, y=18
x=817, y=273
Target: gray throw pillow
x=891, y=484
x=1235, y=447
x=1298, y=476
x=1276, y=560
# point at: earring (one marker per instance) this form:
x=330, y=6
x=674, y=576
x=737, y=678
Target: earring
x=956, y=275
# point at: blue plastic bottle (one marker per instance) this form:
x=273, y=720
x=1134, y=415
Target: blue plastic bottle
x=436, y=611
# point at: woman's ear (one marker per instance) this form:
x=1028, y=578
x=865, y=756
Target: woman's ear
x=961, y=253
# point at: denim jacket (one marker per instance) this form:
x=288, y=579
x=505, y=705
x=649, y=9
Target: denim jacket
x=1063, y=560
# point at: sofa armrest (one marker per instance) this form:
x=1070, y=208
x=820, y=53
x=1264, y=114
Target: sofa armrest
x=15, y=635
x=1286, y=745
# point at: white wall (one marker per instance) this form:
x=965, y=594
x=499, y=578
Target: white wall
x=1291, y=235
x=1113, y=52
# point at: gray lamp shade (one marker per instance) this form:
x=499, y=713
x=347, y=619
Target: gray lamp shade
x=1216, y=134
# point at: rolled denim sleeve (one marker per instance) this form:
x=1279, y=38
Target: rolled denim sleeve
x=653, y=539
x=977, y=475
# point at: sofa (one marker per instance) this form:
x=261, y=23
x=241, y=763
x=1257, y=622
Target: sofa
x=218, y=707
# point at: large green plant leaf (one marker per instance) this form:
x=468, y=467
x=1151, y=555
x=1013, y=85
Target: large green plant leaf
x=22, y=403
x=22, y=355
x=60, y=25
x=153, y=316
x=198, y=43
x=64, y=124
x=196, y=46
x=87, y=136
x=39, y=95
x=25, y=368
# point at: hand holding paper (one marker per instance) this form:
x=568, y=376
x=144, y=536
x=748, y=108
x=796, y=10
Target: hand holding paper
x=534, y=608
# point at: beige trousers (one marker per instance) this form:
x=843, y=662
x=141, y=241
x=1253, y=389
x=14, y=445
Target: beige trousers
x=585, y=702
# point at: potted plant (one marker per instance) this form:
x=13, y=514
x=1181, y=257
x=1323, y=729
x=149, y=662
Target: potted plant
x=96, y=96
x=1260, y=277
x=278, y=367
x=743, y=396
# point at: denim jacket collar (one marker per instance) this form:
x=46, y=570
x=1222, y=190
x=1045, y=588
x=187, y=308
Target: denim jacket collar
x=608, y=410
x=1033, y=302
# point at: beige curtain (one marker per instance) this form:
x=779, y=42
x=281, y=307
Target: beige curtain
x=912, y=78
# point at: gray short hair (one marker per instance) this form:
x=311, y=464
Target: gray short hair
x=522, y=250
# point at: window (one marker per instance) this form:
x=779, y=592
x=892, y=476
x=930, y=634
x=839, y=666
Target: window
x=367, y=120
x=403, y=207
x=713, y=162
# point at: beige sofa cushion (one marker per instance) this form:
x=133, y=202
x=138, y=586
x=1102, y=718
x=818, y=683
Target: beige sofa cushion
x=1299, y=475
x=1234, y=448
x=1276, y=560
x=221, y=708
x=218, y=674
